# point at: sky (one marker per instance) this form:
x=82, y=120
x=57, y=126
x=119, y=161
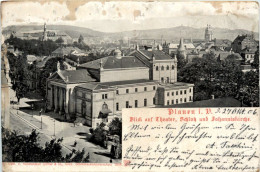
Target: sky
x=128, y=15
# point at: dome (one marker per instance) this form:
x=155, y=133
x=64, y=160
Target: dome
x=117, y=53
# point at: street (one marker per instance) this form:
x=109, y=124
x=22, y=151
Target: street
x=53, y=128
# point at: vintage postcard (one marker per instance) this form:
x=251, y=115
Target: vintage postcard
x=130, y=85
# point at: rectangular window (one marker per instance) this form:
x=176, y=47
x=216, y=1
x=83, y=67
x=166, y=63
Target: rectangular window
x=172, y=93
x=172, y=102
x=117, y=106
x=136, y=103
x=136, y=89
x=190, y=98
x=145, y=88
x=127, y=90
x=154, y=87
x=185, y=100
x=185, y=92
x=127, y=104
x=190, y=90
x=181, y=100
x=117, y=91
x=181, y=92
x=176, y=93
x=177, y=101
x=168, y=94
x=104, y=96
x=154, y=100
x=145, y=102
x=168, y=102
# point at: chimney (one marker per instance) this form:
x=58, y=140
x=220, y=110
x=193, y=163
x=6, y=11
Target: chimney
x=212, y=97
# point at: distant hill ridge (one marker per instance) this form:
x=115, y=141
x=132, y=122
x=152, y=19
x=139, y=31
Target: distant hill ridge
x=167, y=33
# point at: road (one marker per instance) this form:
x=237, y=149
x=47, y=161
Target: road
x=25, y=122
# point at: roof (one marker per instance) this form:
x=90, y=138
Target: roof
x=112, y=62
x=66, y=50
x=41, y=64
x=168, y=86
x=31, y=58
x=112, y=85
x=93, y=86
x=157, y=54
x=220, y=102
x=74, y=76
x=223, y=55
x=128, y=82
x=248, y=50
x=186, y=45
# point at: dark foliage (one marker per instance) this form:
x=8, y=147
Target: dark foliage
x=221, y=79
x=33, y=47
x=22, y=148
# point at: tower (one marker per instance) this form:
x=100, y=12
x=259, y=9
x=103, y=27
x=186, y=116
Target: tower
x=208, y=34
x=44, y=35
x=181, y=49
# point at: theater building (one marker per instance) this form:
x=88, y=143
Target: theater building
x=139, y=80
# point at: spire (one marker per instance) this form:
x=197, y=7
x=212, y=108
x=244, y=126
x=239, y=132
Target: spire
x=44, y=27
x=181, y=45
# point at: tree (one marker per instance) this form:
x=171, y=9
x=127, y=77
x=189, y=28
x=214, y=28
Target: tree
x=249, y=91
x=115, y=127
x=33, y=47
x=59, y=41
x=23, y=148
x=181, y=61
x=255, y=64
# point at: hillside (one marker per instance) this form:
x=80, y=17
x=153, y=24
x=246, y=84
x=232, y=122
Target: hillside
x=72, y=31
x=167, y=33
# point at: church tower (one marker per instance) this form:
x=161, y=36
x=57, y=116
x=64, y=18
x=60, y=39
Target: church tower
x=44, y=35
x=208, y=34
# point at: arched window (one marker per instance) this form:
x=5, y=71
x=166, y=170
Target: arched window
x=162, y=68
x=167, y=68
x=172, y=67
x=157, y=68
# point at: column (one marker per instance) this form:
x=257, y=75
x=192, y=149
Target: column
x=55, y=99
x=52, y=97
x=60, y=100
x=67, y=101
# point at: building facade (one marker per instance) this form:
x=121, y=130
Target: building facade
x=140, y=79
x=243, y=42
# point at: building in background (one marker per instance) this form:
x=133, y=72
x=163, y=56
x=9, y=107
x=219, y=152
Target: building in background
x=243, y=42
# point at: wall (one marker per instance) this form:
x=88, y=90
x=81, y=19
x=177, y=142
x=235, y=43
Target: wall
x=171, y=73
x=124, y=74
x=169, y=97
x=140, y=95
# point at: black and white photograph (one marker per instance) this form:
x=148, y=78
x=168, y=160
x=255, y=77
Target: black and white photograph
x=68, y=68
